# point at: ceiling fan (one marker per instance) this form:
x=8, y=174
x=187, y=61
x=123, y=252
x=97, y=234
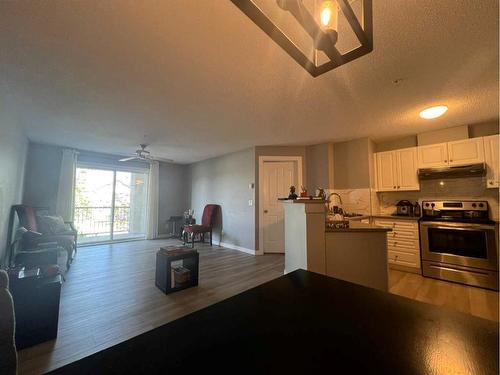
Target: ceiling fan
x=145, y=155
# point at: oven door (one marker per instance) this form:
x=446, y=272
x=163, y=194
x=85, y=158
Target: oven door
x=470, y=245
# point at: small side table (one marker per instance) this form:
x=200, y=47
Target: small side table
x=177, y=268
x=36, y=306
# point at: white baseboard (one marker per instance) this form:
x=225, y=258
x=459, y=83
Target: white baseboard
x=239, y=248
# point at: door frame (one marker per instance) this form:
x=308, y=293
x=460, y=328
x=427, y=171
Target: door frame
x=262, y=160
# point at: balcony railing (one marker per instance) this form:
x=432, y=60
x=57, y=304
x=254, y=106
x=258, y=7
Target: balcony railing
x=97, y=221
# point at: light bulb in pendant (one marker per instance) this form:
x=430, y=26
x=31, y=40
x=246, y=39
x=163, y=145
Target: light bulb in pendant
x=328, y=14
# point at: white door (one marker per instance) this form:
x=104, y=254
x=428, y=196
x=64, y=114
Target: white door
x=386, y=171
x=407, y=169
x=491, y=158
x=277, y=178
x=432, y=156
x=466, y=151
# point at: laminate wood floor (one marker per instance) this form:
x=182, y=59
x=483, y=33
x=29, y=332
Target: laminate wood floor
x=467, y=299
x=110, y=296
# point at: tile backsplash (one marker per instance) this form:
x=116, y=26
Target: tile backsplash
x=458, y=188
x=355, y=200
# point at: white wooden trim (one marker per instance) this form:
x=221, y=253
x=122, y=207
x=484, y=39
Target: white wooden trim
x=262, y=160
x=236, y=247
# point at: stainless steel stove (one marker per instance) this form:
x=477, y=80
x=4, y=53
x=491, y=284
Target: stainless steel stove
x=459, y=243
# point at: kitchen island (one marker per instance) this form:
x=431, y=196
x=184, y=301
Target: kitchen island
x=357, y=254
x=304, y=323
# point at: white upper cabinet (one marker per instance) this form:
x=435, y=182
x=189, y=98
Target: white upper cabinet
x=386, y=171
x=397, y=170
x=433, y=156
x=491, y=158
x=407, y=167
x=466, y=151
x=451, y=154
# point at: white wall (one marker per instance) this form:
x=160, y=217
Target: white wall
x=13, y=149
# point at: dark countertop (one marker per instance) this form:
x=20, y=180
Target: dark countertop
x=308, y=323
x=355, y=226
x=396, y=217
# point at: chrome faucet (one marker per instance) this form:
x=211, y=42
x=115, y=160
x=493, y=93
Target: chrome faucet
x=337, y=194
x=329, y=210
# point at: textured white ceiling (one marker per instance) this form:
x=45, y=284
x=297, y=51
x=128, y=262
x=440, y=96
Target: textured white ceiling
x=200, y=79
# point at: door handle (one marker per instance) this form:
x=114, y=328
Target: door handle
x=265, y=211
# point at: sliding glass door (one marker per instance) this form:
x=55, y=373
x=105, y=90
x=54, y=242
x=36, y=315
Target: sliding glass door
x=110, y=204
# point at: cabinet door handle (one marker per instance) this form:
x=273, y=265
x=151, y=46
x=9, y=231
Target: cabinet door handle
x=446, y=161
x=394, y=187
x=399, y=187
x=451, y=161
x=265, y=211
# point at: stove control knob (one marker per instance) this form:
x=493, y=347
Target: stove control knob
x=427, y=205
x=481, y=205
x=432, y=204
x=473, y=205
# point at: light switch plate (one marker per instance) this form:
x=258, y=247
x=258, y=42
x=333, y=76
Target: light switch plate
x=250, y=202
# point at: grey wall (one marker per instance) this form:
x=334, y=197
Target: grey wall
x=175, y=193
x=225, y=181
x=483, y=129
x=455, y=133
x=319, y=166
x=444, y=135
x=42, y=180
x=42, y=175
x=13, y=149
x=395, y=144
x=351, y=164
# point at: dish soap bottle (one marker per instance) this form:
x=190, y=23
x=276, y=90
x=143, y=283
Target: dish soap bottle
x=416, y=210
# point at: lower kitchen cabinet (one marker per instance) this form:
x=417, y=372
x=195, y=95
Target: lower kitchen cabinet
x=403, y=247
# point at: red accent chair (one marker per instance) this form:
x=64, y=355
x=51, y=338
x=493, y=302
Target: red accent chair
x=207, y=223
x=26, y=217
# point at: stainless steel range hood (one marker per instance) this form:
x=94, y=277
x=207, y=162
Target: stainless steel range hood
x=472, y=170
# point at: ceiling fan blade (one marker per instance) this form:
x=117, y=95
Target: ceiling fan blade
x=130, y=158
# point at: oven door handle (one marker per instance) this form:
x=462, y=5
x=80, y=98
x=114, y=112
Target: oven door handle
x=458, y=270
x=467, y=227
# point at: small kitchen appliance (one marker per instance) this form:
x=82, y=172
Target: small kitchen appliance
x=404, y=208
x=458, y=242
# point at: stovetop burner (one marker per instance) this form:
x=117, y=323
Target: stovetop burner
x=456, y=211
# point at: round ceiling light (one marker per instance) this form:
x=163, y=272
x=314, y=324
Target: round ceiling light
x=433, y=112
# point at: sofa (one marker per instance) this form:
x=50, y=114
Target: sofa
x=8, y=354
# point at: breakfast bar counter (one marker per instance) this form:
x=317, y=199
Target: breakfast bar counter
x=357, y=254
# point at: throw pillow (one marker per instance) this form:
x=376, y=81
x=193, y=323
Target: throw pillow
x=51, y=224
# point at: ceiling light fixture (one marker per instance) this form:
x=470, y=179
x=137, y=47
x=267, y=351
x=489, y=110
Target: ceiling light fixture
x=433, y=112
x=322, y=28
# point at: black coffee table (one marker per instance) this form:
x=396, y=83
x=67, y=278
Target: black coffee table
x=308, y=323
